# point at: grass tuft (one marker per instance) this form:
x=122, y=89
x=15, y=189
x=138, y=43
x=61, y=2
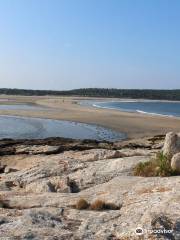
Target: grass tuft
x=82, y=204
x=159, y=166
x=97, y=205
x=112, y=206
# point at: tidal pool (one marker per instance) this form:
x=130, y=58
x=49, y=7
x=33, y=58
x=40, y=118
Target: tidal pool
x=34, y=128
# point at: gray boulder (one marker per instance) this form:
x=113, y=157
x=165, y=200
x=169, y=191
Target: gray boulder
x=9, y=170
x=40, y=187
x=171, y=144
x=175, y=162
x=41, y=218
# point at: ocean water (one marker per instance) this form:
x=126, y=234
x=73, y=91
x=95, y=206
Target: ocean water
x=34, y=128
x=148, y=107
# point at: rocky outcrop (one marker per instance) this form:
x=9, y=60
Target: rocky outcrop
x=37, y=201
x=175, y=162
x=49, y=146
x=171, y=144
x=171, y=149
x=9, y=170
x=94, y=154
x=40, y=187
x=36, y=149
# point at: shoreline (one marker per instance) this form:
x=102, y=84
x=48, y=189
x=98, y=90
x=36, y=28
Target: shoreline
x=95, y=104
x=67, y=108
x=135, y=111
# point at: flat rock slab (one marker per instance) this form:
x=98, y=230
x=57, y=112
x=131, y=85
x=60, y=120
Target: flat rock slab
x=36, y=149
x=37, y=201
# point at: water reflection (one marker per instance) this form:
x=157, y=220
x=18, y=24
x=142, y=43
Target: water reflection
x=21, y=127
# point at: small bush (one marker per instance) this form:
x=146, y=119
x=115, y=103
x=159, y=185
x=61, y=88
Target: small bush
x=145, y=169
x=160, y=166
x=97, y=205
x=112, y=206
x=163, y=165
x=82, y=204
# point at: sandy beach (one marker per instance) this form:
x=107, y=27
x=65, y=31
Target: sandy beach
x=68, y=108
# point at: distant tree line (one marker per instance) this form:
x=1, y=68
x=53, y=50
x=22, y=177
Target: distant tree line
x=101, y=92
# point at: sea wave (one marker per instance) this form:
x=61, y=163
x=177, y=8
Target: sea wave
x=128, y=110
x=152, y=113
x=98, y=106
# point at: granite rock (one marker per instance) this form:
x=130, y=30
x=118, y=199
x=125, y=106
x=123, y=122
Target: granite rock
x=171, y=144
x=38, y=201
x=175, y=162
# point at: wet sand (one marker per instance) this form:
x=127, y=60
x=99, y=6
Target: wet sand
x=67, y=108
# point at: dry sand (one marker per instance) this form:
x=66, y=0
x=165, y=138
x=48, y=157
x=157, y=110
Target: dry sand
x=67, y=108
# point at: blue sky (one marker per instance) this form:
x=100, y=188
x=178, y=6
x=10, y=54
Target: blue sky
x=67, y=44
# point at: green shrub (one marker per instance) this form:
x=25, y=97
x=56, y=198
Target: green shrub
x=159, y=166
x=163, y=165
x=145, y=169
